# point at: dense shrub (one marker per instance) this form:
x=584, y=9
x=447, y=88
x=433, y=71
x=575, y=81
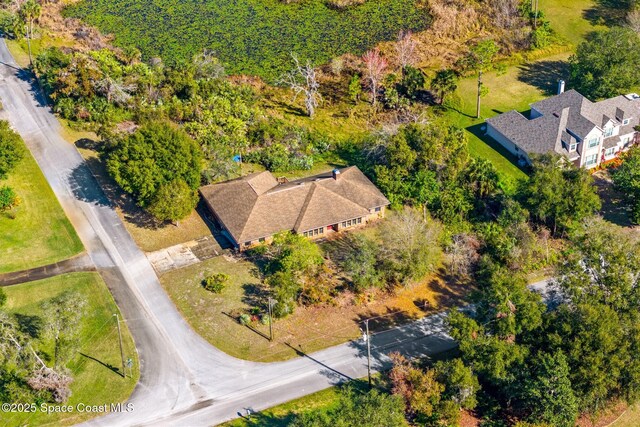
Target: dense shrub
x=215, y=282
x=156, y=154
x=11, y=149
x=253, y=37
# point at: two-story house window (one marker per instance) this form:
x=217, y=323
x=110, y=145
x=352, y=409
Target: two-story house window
x=573, y=146
x=591, y=160
x=610, y=151
x=593, y=142
x=608, y=132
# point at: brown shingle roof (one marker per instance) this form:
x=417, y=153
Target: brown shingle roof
x=256, y=206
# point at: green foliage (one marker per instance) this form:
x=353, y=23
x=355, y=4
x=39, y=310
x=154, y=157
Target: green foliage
x=606, y=64
x=281, y=147
x=549, y=395
x=244, y=319
x=626, y=179
x=355, y=88
x=3, y=298
x=215, y=282
x=603, y=267
x=445, y=82
x=8, y=198
x=253, y=37
x=63, y=315
x=173, y=201
x=410, y=246
x=11, y=151
x=357, y=256
x=433, y=396
x=292, y=260
x=460, y=383
x=413, y=81
x=371, y=409
x=558, y=193
x=154, y=155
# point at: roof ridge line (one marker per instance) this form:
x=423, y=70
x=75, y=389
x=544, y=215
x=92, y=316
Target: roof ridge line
x=305, y=205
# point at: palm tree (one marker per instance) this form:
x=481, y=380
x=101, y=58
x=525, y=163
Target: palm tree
x=28, y=13
x=444, y=83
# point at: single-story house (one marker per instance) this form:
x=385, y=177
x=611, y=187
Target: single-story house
x=253, y=208
x=584, y=132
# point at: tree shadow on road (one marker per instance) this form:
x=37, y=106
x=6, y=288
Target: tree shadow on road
x=112, y=195
x=85, y=187
x=334, y=376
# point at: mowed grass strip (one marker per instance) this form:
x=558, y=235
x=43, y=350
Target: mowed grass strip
x=283, y=415
x=94, y=382
x=38, y=232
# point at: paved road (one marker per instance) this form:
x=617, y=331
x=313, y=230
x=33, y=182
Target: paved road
x=72, y=265
x=184, y=380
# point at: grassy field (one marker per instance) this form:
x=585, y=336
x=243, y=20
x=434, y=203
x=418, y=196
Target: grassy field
x=283, y=415
x=568, y=18
x=254, y=37
x=95, y=381
x=631, y=418
x=40, y=233
x=213, y=316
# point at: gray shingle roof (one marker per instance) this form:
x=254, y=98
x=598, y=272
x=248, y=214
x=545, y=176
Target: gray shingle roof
x=562, y=118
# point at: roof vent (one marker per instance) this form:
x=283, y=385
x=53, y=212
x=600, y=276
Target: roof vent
x=335, y=173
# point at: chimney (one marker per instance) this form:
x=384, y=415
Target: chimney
x=560, y=87
x=335, y=173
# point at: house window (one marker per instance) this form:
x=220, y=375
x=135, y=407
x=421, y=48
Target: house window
x=591, y=160
x=305, y=234
x=626, y=121
x=593, y=142
x=344, y=224
x=359, y=220
x=247, y=243
x=573, y=146
x=610, y=151
x=321, y=230
x=378, y=209
x=608, y=132
x=315, y=232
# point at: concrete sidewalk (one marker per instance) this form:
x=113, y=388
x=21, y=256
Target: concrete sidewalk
x=78, y=263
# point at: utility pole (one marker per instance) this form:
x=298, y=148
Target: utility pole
x=124, y=374
x=367, y=338
x=270, y=302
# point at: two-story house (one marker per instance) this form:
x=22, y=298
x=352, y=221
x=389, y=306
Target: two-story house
x=586, y=133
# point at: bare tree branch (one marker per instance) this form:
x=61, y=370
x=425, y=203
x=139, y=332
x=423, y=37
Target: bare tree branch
x=302, y=79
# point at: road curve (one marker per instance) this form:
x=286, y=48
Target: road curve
x=184, y=380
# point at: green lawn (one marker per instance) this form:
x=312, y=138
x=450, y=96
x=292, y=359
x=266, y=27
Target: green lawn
x=94, y=383
x=213, y=316
x=283, y=415
x=567, y=18
x=40, y=233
